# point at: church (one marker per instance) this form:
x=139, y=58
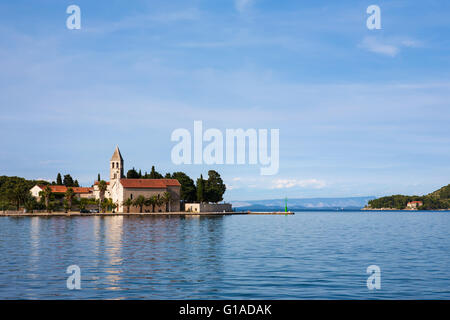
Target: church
x=119, y=188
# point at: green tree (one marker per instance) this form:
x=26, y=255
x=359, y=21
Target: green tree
x=167, y=198
x=444, y=192
x=102, y=187
x=188, y=191
x=4, y=205
x=152, y=201
x=140, y=202
x=68, y=181
x=83, y=203
x=98, y=177
x=128, y=203
x=214, y=187
x=69, y=195
x=59, y=180
x=66, y=206
x=132, y=174
x=30, y=203
x=200, y=189
x=76, y=184
x=109, y=205
x=18, y=194
x=104, y=204
x=46, y=195
x=159, y=200
x=155, y=174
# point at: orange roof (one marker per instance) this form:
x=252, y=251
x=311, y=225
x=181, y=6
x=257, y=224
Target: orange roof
x=63, y=189
x=96, y=182
x=82, y=189
x=172, y=182
x=149, y=183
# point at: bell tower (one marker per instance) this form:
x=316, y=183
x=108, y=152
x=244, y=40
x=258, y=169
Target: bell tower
x=116, y=165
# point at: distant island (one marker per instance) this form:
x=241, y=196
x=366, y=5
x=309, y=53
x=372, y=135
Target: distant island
x=437, y=200
x=303, y=204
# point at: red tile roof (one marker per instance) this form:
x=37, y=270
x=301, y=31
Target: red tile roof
x=96, y=182
x=82, y=189
x=63, y=189
x=149, y=183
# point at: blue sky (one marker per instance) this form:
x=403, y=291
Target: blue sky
x=360, y=112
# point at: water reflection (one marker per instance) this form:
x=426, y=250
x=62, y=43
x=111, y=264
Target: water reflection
x=225, y=257
x=113, y=247
x=34, y=240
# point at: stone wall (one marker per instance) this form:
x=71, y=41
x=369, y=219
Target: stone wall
x=208, y=207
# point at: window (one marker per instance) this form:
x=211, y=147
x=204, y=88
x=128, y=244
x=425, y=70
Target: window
x=131, y=196
x=112, y=165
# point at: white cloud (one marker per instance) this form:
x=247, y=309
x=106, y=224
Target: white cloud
x=411, y=43
x=290, y=183
x=373, y=45
x=242, y=5
x=388, y=47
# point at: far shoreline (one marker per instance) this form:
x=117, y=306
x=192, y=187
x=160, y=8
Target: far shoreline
x=137, y=214
x=407, y=210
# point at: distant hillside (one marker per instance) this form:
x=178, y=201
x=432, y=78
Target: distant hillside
x=439, y=199
x=441, y=194
x=303, y=204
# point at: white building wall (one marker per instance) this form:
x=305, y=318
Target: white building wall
x=35, y=191
x=208, y=207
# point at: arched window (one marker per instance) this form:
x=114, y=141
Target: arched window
x=131, y=196
x=117, y=165
x=112, y=165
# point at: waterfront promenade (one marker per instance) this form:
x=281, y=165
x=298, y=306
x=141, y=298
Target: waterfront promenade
x=107, y=214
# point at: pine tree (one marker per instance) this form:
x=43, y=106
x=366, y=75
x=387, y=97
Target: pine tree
x=132, y=174
x=188, y=189
x=68, y=181
x=214, y=187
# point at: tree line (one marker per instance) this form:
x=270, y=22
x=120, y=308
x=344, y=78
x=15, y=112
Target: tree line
x=66, y=181
x=203, y=190
x=15, y=192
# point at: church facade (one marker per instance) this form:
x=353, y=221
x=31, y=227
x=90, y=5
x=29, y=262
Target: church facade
x=119, y=188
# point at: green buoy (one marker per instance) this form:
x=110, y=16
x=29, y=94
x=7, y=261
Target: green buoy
x=285, y=205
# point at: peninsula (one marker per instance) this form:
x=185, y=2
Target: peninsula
x=437, y=200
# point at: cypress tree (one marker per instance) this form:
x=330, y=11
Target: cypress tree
x=200, y=189
x=59, y=180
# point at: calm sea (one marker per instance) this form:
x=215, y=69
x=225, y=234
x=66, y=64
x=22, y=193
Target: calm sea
x=311, y=255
